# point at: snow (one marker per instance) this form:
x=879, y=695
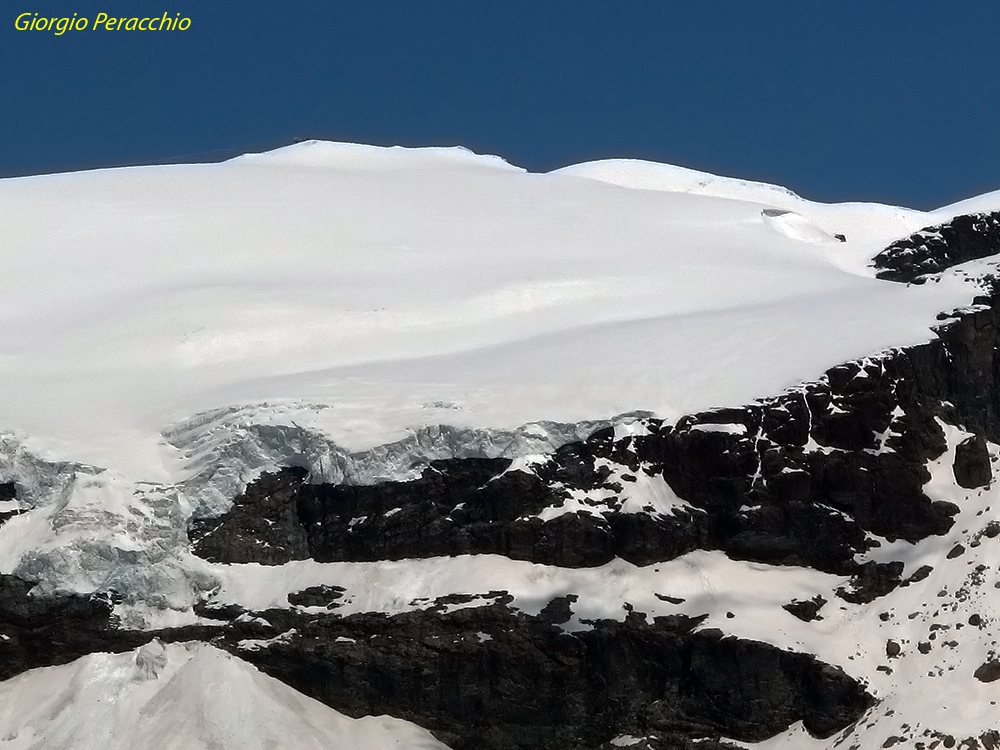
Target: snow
x=650, y=494
x=985, y=203
x=728, y=429
x=183, y=697
x=372, y=291
x=795, y=226
x=626, y=740
x=708, y=582
x=584, y=502
x=795, y=738
x=644, y=175
x=323, y=154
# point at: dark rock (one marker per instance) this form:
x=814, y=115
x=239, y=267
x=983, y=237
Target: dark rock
x=559, y=610
x=213, y=611
x=317, y=596
x=41, y=631
x=920, y=574
x=807, y=610
x=924, y=647
x=872, y=581
x=988, y=671
x=936, y=248
x=262, y=527
x=975, y=619
x=671, y=599
x=957, y=551
x=491, y=678
x=806, y=509
x=972, y=463
x=8, y=492
x=892, y=649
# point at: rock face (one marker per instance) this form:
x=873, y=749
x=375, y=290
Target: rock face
x=267, y=529
x=988, y=671
x=807, y=610
x=8, y=493
x=40, y=631
x=934, y=249
x=491, y=678
x=972, y=463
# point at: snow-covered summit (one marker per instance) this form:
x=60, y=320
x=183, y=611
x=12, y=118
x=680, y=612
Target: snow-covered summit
x=646, y=175
x=327, y=154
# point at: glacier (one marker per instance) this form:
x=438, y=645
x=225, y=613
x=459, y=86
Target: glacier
x=171, y=335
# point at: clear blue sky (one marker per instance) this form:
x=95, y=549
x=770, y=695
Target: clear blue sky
x=855, y=99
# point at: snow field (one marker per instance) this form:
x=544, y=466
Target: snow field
x=180, y=697
x=383, y=283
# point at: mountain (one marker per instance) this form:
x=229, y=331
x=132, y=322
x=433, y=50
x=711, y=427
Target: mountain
x=622, y=455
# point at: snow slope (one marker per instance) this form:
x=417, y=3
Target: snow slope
x=183, y=697
x=404, y=287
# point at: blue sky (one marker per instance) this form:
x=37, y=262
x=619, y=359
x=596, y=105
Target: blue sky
x=853, y=100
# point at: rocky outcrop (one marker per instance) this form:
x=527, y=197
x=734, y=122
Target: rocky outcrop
x=491, y=678
x=988, y=671
x=807, y=610
x=457, y=506
x=265, y=529
x=972, y=463
x=41, y=631
x=934, y=249
x=8, y=493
